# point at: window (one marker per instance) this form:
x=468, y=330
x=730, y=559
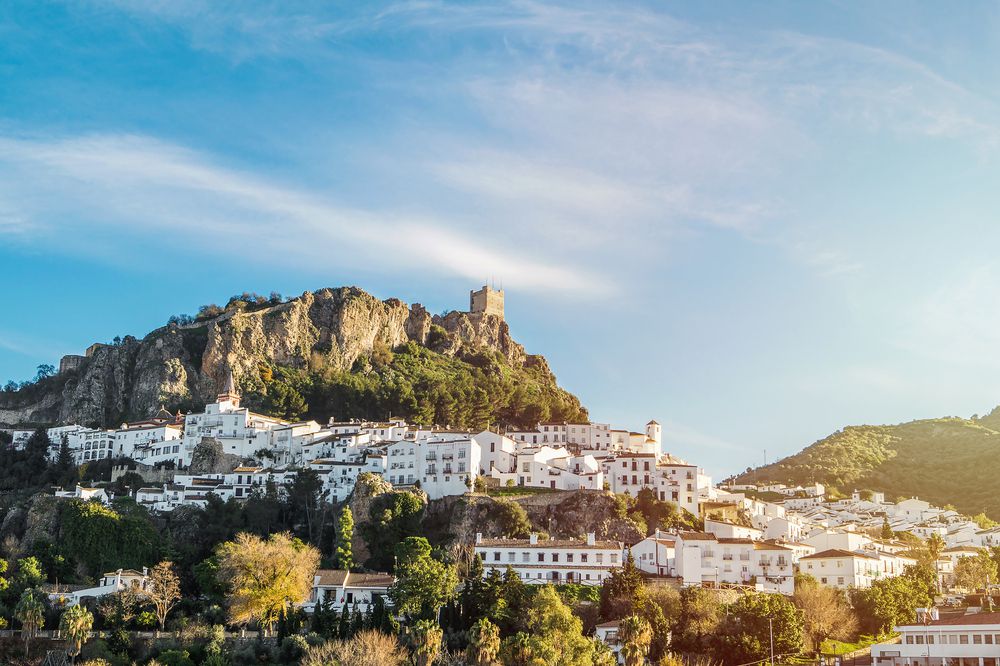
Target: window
x=600, y=558
x=583, y=557
x=963, y=639
x=496, y=556
x=555, y=557
x=569, y=557
x=541, y=557
x=977, y=639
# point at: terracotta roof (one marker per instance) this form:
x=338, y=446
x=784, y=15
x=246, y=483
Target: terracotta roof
x=549, y=543
x=696, y=536
x=975, y=618
x=836, y=552
x=337, y=578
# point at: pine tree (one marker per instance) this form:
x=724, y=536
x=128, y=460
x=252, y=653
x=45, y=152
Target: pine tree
x=343, y=552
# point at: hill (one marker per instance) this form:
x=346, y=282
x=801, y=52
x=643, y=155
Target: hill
x=946, y=461
x=333, y=352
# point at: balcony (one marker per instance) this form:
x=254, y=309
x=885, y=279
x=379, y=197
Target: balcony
x=727, y=557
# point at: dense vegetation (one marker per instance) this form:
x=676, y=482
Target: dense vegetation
x=947, y=461
x=420, y=385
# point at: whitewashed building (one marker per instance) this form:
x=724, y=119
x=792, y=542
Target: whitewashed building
x=540, y=561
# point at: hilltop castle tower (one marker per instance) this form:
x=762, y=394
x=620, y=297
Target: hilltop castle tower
x=487, y=300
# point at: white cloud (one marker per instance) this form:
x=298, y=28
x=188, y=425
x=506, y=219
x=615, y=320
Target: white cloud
x=140, y=185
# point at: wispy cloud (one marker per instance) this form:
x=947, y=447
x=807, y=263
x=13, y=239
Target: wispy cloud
x=140, y=185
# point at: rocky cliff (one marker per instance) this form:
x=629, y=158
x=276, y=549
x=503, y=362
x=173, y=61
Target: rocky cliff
x=186, y=365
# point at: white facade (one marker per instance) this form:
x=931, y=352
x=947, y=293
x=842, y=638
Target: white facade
x=971, y=640
x=442, y=464
x=109, y=583
x=339, y=588
x=540, y=561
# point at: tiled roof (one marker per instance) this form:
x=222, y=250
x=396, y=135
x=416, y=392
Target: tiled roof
x=337, y=578
x=836, y=552
x=975, y=618
x=549, y=543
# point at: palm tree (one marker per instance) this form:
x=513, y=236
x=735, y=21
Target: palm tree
x=484, y=643
x=76, y=623
x=427, y=641
x=30, y=611
x=635, y=635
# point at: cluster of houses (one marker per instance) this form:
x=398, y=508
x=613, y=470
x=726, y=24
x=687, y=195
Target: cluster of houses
x=442, y=462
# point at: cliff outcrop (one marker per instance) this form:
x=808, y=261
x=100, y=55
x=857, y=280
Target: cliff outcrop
x=185, y=365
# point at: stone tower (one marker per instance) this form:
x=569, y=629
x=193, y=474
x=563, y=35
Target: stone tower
x=487, y=300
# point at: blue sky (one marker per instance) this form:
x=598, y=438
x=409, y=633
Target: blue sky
x=755, y=222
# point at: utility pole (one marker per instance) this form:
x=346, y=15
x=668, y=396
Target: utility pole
x=770, y=629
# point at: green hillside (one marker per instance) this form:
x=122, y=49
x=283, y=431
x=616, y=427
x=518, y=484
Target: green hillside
x=944, y=461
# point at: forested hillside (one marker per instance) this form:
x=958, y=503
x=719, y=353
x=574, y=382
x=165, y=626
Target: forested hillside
x=947, y=461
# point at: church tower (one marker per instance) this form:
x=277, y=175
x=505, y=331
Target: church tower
x=654, y=433
x=229, y=393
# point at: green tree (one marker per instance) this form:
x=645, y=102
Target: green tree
x=635, y=635
x=423, y=584
x=30, y=612
x=484, y=643
x=887, y=532
x=746, y=632
x=976, y=572
x=699, y=619
x=620, y=589
x=427, y=637
x=395, y=515
x=342, y=551
x=889, y=602
x=75, y=624
x=558, y=631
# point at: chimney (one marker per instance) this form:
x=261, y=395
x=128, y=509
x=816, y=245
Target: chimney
x=591, y=538
x=479, y=537
x=533, y=539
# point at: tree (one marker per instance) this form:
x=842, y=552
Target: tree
x=75, y=624
x=635, y=635
x=889, y=602
x=427, y=637
x=30, y=612
x=620, y=588
x=265, y=578
x=751, y=621
x=887, y=532
x=423, y=584
x=44, y=372
x=825, y=612
x=342, y=550
x=119, y=608
x=484, y=643
x=369, y=648
x=976, y=572
x=698, y=621
x=558, y=633
x=163, y=590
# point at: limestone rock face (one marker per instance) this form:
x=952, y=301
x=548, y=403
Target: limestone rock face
x=188, y=364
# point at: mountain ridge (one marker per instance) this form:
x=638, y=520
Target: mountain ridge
x=274, y=347
x=947, y=461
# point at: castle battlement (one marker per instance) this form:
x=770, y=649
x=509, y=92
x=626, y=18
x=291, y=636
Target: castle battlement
x=487, y=300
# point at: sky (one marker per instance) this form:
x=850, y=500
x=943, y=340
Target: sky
x=756, y=222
